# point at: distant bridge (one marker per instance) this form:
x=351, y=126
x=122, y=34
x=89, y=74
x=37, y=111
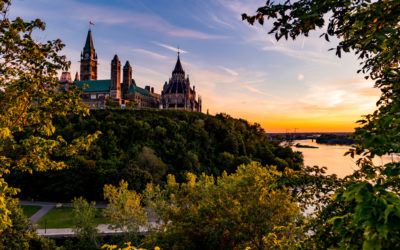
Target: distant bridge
x=301, y=136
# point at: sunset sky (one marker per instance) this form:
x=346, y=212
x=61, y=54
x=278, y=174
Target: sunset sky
x=237, y=68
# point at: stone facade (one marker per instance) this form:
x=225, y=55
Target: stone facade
x=115, y=89
x=89, y=60
x=177, y=94
x=97, y=92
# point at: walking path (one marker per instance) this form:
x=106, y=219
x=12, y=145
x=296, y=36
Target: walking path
x=47, y=206
x=68, y=232
x=34, y=218
x=45, y=203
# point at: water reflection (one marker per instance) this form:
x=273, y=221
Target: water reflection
x=332, y=157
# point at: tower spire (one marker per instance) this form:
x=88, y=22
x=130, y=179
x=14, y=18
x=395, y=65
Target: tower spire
x=89, y=42
x=88, y=60
x=178, y=67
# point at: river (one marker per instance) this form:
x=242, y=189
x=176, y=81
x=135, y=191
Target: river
x=332, y=157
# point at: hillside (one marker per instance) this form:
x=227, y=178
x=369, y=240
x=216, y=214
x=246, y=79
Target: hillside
x=142, y=146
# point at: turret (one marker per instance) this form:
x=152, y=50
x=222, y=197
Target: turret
x=115, y=88
x=127, y=78
x=199, y=101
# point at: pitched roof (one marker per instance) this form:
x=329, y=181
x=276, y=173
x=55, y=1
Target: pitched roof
x=178, y=67
x=127, y=65
x=89, y=43
x=135, y=89
x=94, y=85
x=115, y=59
x=104, y=86
x=176, y=87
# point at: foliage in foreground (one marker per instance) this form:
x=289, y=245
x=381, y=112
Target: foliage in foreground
x=256, y=207
x=29, y=101
x=22, y=234
x=84, y=229
x=125, y=210
x=365, y=210
x=247, y=208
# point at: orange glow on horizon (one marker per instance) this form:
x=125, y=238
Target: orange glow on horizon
x=281, y=124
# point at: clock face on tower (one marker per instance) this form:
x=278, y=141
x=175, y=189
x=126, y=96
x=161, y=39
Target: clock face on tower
x=87, y=55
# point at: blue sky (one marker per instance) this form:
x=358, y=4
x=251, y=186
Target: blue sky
x=237, y=68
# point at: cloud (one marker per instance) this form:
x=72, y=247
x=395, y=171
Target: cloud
x=309, y=48
x=237, y=7
x=111, y=15
x=220, y=21
x=230, y=71
x=299, y=53
x=150, y=53
x=340, y=96
x=300, y=77
x=254, y=90
x=170, y=47
x=180, y=32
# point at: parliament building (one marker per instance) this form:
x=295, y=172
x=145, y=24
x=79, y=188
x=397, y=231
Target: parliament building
x=176, y=94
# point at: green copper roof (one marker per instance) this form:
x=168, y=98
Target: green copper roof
x=136, y=89
x=127, y=65
x=94, y=85
x=104, y=86
x=89, y=43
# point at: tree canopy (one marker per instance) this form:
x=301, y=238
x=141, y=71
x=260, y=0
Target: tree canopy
x=245, y=209
x=364, y=211
x=29, y=100
x=142, y=146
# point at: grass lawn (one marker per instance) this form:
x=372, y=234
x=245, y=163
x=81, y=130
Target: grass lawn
x=62, y=217
x=30, y=210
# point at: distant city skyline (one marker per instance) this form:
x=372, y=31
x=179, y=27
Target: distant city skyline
x=238, y=69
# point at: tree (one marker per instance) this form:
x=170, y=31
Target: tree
x=85, y=230
x=112, y=104
x=132, y=104
x=125, y=210
x=29, y=100
x=149, y=161
x=364, y=212
x=244, y=209
x=22, y=234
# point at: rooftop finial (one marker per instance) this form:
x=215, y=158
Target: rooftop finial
x=178, y=66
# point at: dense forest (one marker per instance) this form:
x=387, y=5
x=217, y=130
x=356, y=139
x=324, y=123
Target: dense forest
x=333, y=139
x=142, y=146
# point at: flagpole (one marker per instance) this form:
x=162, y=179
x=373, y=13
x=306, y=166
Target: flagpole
x=90, y=24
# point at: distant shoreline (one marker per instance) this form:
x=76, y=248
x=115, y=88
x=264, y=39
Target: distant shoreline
x=298, y=145
x=342, y=138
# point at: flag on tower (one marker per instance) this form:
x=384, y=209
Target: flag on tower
x=90, y=22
